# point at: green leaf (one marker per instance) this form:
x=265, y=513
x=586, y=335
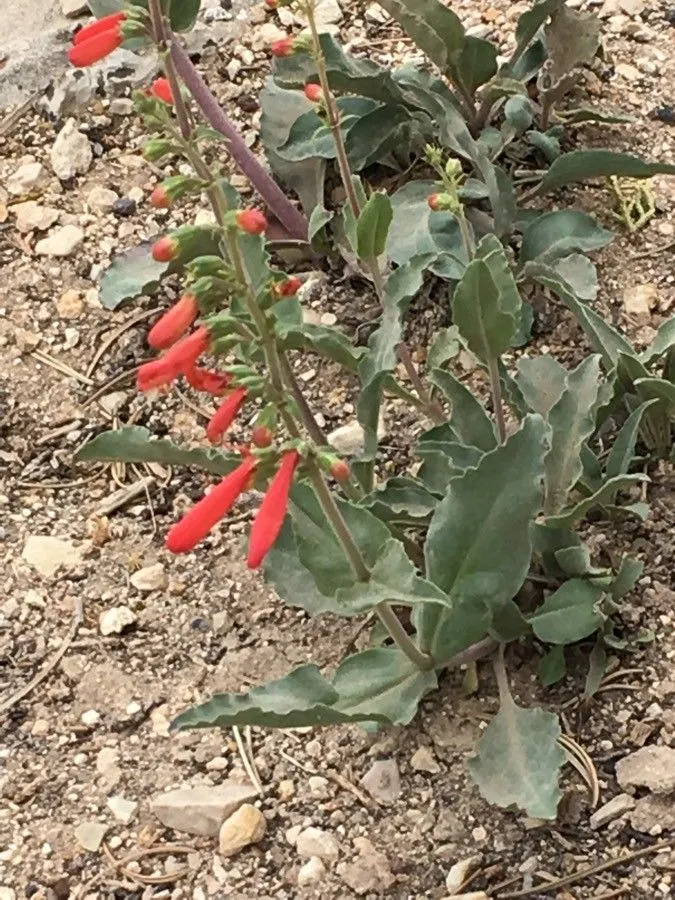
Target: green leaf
x=501, y=193
x=547, y=143
x=132, y=273
x=482, y=526
x=400, y=498
x=487, y=327
x=552, y=667
x=375, y=135
x=657, y=389
x=477, y=63
x=319, y=218
x=580, y=274
x=443, y=460
x=559, y=233
x=518, y=760
x=572, y=38
x=135, y=444
x=415, y=230
x=468, y=419
x=541, y=380
x=601, y=497
x=519, y=113
x=580, y=165
x=436, y=30
x=662, y=343
x=583, y=114
x=321, y=339
x=627, y=577
x=597, y=666
x=280, y=110
x=372, y=226
x=445, y=346
x=568, y=614
x=572, y=422
x=529, y=25
x=379, y=685
x=623, y=449
x=183, y=14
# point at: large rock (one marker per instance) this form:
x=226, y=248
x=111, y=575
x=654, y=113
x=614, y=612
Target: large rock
x=370, y=872
x=61, y=242
x=244, y=827
x=203, y=809
x=651, y=767
x=611, y=810
x=638, y=302
x=315, y=842
x=149, y=578
x=71, y=154
x=382, y=781
x=30, y=216
x=48, y=554
x=28, y=176
x=115, y=620
x=101, y=199
x=653, y=815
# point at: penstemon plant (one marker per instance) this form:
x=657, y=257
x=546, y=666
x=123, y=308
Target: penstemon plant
x=489, y=515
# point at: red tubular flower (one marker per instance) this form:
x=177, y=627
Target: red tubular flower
x=215, y=383
x=183, y=355
x=192, y=528
x=107, y=23
x=270, y=518
x=161, y=89
x=288, y=288
x=159, y=198
x=340, y=470
x=155, y=374
x=174, y=323
x=261, y=436
x=252, y=221
x=92, y=49
x=313, y=92
x=282, y=47
x=164, y=249
x=225, y=415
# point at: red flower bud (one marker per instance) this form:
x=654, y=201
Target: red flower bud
x=271, y=4
x=215, y=383
x=225, y=415
x=270, y=518
x=92, y=49
x=164, y=249
x=159, y=198
x=440, y=202
x=283, y=47
x=161, y=89
x=261, y=436
x=192, y=528
x=252, y=221
x=107, y=23
x=340, y=470
x=174, y=323
x=288, y=288
x=314, y=93
x=432, y=201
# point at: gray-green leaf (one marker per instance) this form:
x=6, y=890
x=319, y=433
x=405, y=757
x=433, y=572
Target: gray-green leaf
x=569, y=614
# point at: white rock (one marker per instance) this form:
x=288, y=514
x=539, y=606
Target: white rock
x=115, y=620
x=26, y=177
x=121, y=106
x=90, y=717
x=245, y=826
x=74, y=8
x=315, y=842
x=30, y=216
x=651, y=767
x=423, y=760
x=318, y=786
x=89, y=835
x=326, y=12
x=6, y=893
x=203, y=809
x=374, y=13
x=61, y=242
x=653, y=814
x=632, y=7
x=473, y=895
x=48, y=554
x=149, y=578
x=311, y=873
x=459, y=872
x=349, y=439
x=100, y=199
x=370, y=872
x=71, y=154
x=625, y=70
x=123, y=810
x=382, y=780
x=611, y=810
x=638, y=302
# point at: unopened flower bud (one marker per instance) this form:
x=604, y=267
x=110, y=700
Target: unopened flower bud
x=441, y=202
x=252, y=221
x=156, y=148
x=261, y=436
x=164, y=249
x=288, y=288
x=340, y=470
x=313, y=92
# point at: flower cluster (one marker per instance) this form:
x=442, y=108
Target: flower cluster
x=96, y=41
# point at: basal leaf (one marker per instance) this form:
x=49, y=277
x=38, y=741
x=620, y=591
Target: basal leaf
x=130, y=274
x=375, y=135
x=518, y=760
x=569, y=614
x=444, y=460
x=580, y=165
x=321, y=339
x=559, y=233
x=135, y=444
x=572, y=421
x=529, y=26
x=372, y=226
x=445, y=346
x=583, y=114
x=541, y=380
x=501, y=194
x=468, y=417
x=603, y=496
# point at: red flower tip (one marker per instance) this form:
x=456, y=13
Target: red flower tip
x=155, y=374
x=271, y=4
x=288, y=288
x=159, y=198
x=432, y=201
x=252, y=221
x=192, y=528
x=215, y=383
x=283, y=47
x=161, y=89
x=174, y=323
x=340, y=470
x=313, y=92
x=440, y=202
x=107, y=23
x=270, y=518
x=164, y=249
x=261, y=436
x=184, y=354
x=225, y=415
x=93, y=49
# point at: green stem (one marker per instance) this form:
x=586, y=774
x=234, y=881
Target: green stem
x=431, y=407
x=160, y=35
x=497, y=400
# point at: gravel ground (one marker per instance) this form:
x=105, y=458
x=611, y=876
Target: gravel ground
x=84, y=713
